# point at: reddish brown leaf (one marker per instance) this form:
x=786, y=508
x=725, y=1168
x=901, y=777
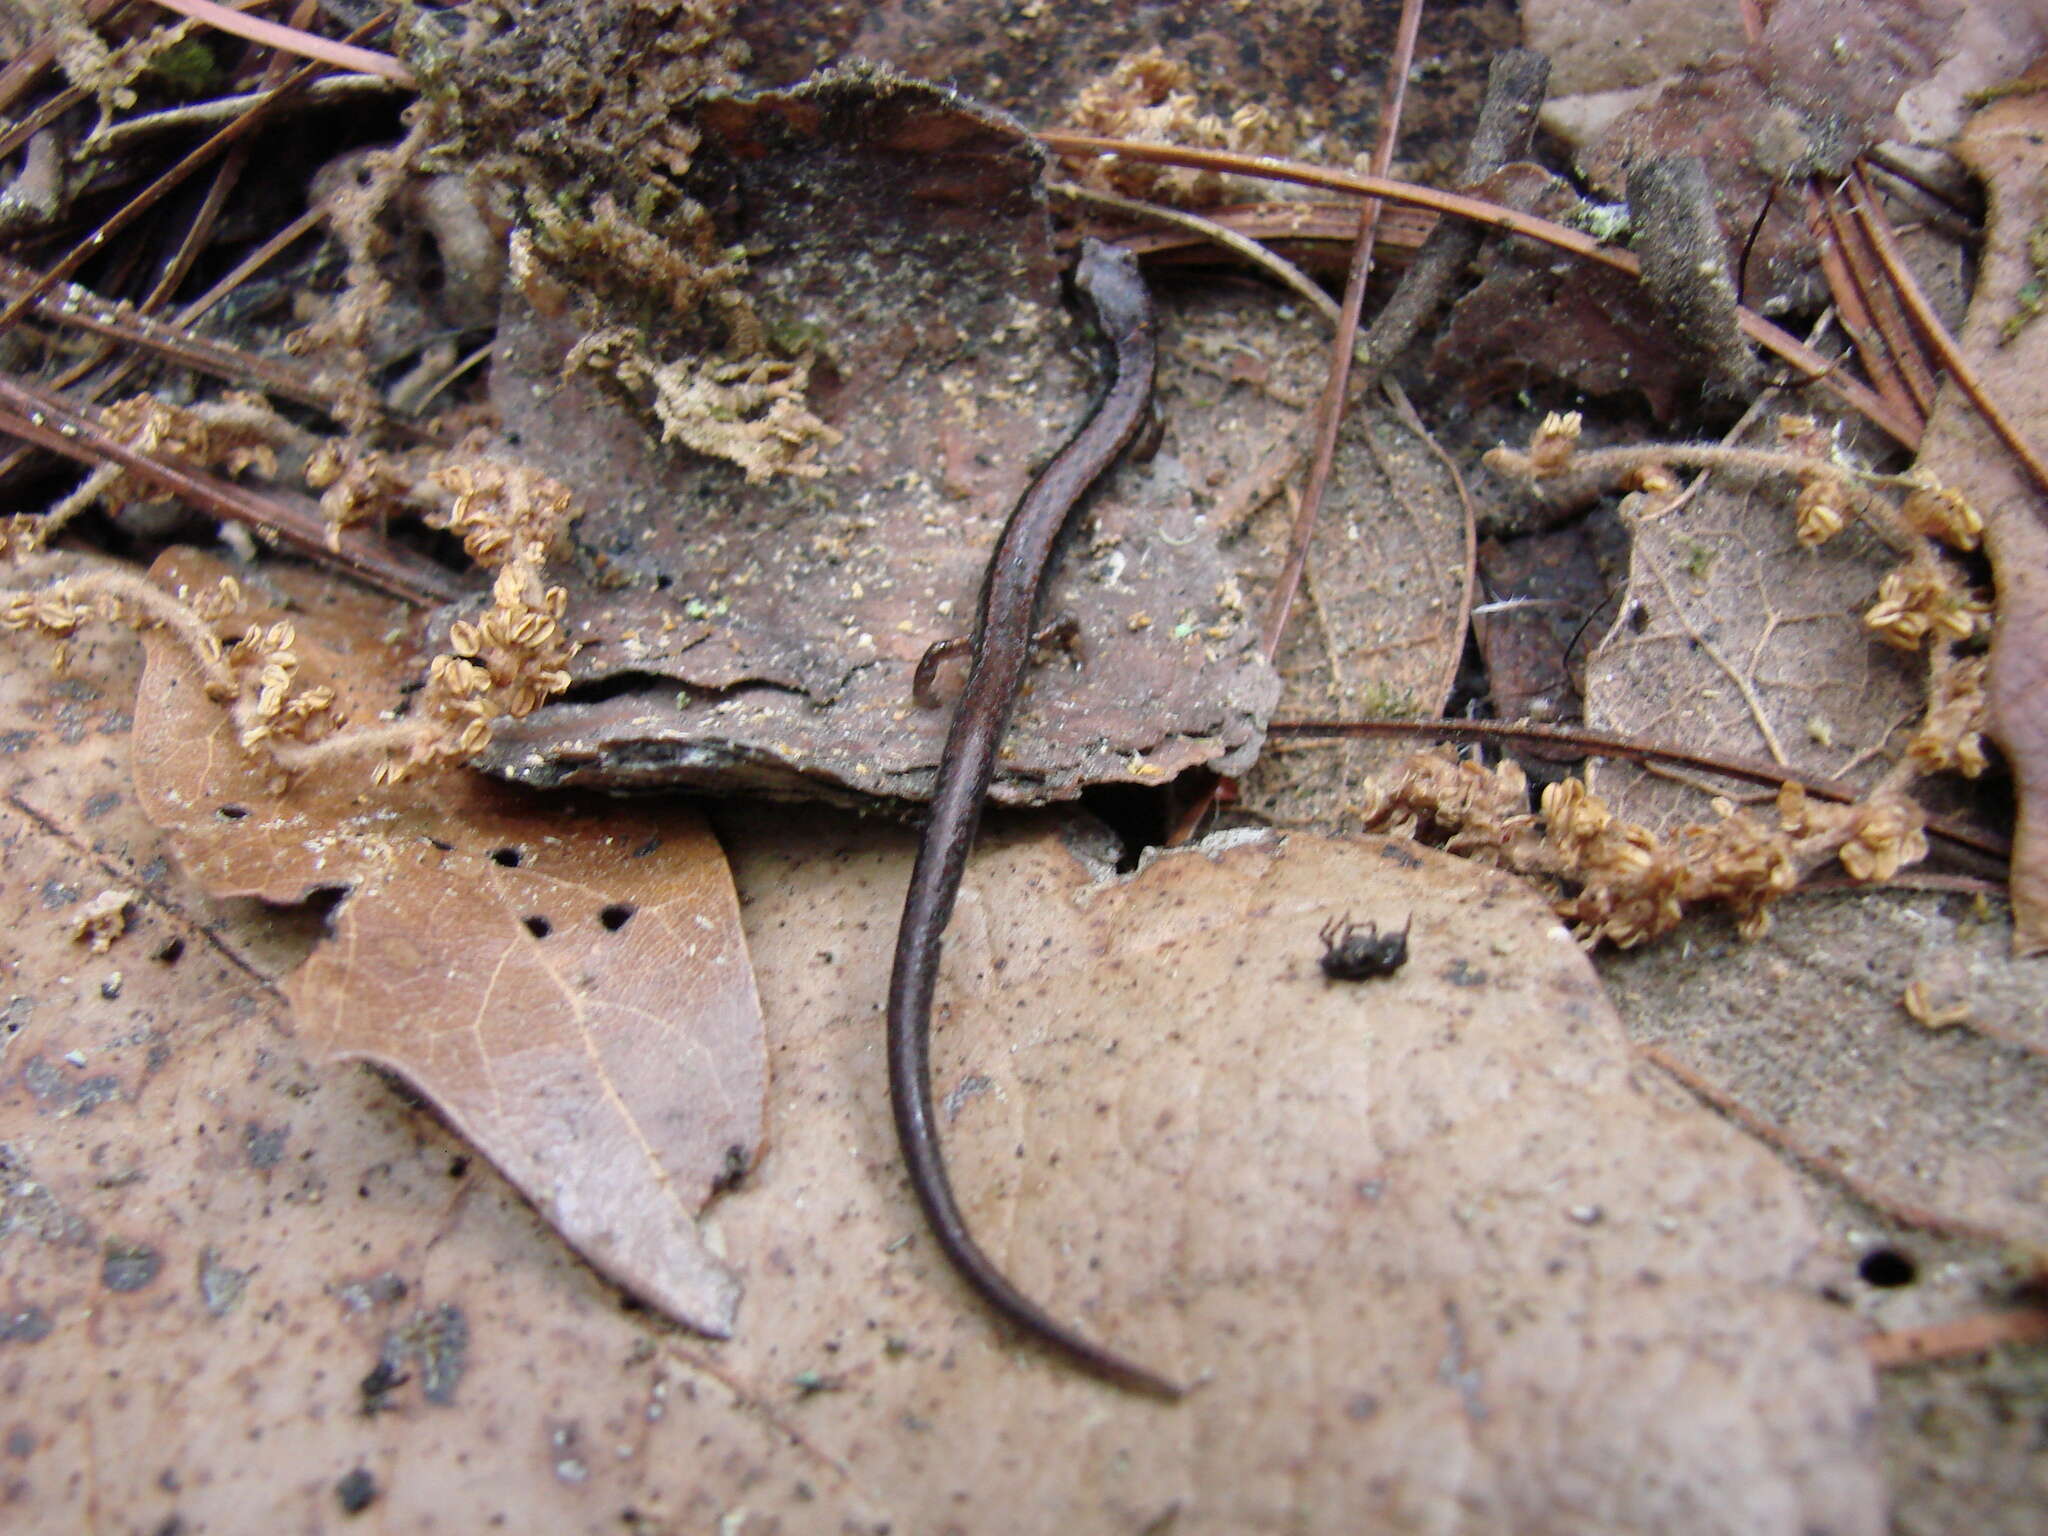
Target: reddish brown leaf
x=2004, y=146
x=1533, y=320
x=564, y=980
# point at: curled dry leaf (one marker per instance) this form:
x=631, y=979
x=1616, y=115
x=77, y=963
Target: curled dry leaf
x=565, y=982
x=764, y=635
x=2003, y=144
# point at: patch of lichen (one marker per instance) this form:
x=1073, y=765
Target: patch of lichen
x=596, y=93
x=577, y=112
x=578, y=115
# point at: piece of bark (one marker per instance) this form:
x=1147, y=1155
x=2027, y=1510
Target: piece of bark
x=763, y=637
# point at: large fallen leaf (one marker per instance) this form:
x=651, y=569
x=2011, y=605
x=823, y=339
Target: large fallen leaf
x=1439, y=1261
x=2003, y=144
x=565, y=981
x=1446, y=1265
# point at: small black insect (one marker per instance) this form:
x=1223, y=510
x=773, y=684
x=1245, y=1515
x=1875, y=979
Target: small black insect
x=1359, y=951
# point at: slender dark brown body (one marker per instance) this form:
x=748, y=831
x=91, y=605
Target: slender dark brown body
x=1109, y=279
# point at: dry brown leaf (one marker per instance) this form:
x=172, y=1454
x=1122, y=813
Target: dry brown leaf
x=1281, y=56
x=1452, y=1269
x=1732, y=639
x=1536, y=321
x=1846, y=63
x=1376, y=630
x=1597, y=46
x=1803, y=100
x=2003, y=145
x=566, y=982
x=1436, y=1254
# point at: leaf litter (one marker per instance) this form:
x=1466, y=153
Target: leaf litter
x=1493, y=1252
x=764, y=637
x=565, y=1435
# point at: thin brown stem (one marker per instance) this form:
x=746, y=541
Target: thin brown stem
x=1623, y=748
x=1853, y=309
x=1884, y=305
x=23, y=71
x=306, y=45
x=18, y=134
x=1780, y=343
x=1286, y=272
x=1936, y=334
x=1336, y=387
x=48, y=422
x=83, y=310
x=1955, y=1337
x=201, y=155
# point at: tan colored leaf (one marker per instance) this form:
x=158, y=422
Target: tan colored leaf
x=2004, y=146
x=565, y=981
x=1434, y=1254
x=1448, y=1265
x=1736, y=641
x=1376, y=632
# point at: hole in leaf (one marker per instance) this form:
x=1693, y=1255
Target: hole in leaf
x=509, y=857
x=324, y=903
x=616, y=916
x=445, y=847
x=539, y=927
x=232, y=812
x=172, y=952
x=1887, y=1267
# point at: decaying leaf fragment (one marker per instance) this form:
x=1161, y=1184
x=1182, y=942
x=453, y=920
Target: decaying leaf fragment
x=743, y=630
x=566, y=982
x=2003, y=145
